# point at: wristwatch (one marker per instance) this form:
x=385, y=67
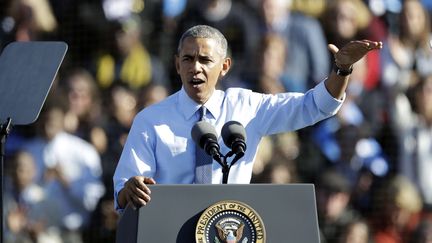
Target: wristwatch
x=342, y=72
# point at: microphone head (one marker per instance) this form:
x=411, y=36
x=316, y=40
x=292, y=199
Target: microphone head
x=232, y=132
x=202, y=132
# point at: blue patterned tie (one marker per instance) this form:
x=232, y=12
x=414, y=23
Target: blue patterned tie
x=203, y=161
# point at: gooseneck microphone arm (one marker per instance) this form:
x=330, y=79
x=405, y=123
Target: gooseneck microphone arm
x=227, y=167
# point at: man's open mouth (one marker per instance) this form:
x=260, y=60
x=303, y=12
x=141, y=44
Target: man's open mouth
x=197, y=81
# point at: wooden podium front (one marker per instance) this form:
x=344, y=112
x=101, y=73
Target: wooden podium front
x=190, y=213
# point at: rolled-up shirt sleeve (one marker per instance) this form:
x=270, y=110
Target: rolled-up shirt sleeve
x=287, y=112
x=325, y=101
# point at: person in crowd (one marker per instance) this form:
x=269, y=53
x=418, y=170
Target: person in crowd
x=128, y=60
x=276, y=159
x=152, y=94
x=28, y=20
x=84, y=115
x=159, y=147
x=307, y=61
x=412, y=118
x=69, y=168
x=313, y=8
x=29, y=211
x=347, y=20
x=270, y=58
x=396, y=210
x=280, y=173
x=123, y=106
x=356, y=231
x=405, y=59
x=333, y=192
x=407, y=50
x=267, y=78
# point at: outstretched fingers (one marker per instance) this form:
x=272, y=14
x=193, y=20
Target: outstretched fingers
x=353, y=51
x=371, y=45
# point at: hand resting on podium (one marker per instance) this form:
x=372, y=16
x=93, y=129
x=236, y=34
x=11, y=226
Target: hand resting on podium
x=135, y=192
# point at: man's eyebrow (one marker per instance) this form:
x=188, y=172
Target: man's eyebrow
x=205, y=57
x=199, y=56
x=186, y=55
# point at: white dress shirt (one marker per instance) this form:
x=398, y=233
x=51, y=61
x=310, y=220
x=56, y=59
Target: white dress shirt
x=159, y=144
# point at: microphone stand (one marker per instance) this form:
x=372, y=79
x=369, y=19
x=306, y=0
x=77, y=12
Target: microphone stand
x=222, y=160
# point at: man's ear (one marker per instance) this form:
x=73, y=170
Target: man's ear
x=177, y=63
x=226, y=65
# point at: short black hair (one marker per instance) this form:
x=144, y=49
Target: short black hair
x=205, y=31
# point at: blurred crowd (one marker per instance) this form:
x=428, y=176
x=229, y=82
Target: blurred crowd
x=371, y=164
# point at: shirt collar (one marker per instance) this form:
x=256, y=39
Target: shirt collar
x=189, y=107
x=213, y=105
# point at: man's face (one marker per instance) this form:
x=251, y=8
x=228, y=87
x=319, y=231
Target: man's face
x=200, y=66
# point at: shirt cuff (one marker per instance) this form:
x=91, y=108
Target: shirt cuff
x=116, y=205
x=325, y=101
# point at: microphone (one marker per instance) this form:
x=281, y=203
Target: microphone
x=204, y=134
x=234, y=137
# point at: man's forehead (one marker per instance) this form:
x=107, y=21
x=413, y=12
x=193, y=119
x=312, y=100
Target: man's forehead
x=205, y=46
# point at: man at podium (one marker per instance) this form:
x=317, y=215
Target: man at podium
x=160, y=148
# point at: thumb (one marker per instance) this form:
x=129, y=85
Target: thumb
x=332, y=48
x=149, y=180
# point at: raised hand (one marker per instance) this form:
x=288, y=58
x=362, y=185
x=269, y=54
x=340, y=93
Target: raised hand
x=352, y=52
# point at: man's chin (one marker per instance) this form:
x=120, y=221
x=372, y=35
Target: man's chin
x=198, y=94
x=200, y=98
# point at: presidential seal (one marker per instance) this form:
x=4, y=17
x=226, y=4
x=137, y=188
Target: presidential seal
x=230, y=222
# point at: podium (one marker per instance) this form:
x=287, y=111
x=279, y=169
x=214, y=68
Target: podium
x=213, y=213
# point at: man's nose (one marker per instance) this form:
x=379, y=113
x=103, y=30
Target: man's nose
x=196, y=67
